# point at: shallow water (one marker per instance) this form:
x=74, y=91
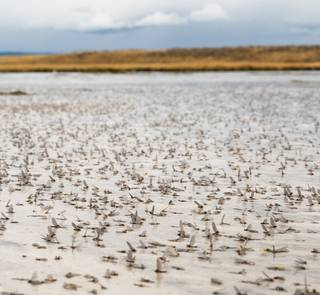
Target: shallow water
x=239, y=144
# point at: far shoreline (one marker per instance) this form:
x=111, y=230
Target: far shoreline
x=253, y=58
x=138, y=71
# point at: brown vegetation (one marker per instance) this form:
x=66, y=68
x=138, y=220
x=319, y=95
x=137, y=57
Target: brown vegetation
x=201, y=59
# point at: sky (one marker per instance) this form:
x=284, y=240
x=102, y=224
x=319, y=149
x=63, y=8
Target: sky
x=78, y=25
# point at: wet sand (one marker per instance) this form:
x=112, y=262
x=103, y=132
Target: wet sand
x=160, y=183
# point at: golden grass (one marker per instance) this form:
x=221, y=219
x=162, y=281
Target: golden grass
x=202, y=59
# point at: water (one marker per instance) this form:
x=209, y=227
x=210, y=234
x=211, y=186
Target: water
x=78, y=145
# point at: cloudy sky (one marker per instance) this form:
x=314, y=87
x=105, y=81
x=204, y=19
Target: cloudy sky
x=74, y=25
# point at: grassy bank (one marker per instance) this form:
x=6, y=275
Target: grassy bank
x=202, y=59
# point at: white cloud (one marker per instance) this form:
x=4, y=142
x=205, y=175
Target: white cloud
x=160, y=19
x=106, y=14
x=98, y=22
x=93, y=15
x=209, y=12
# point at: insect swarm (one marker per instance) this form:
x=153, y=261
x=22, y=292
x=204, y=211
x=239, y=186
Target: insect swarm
x=151, y=182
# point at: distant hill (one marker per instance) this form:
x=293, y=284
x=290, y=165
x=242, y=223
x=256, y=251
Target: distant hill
x=13, y=53
x=193, y=59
